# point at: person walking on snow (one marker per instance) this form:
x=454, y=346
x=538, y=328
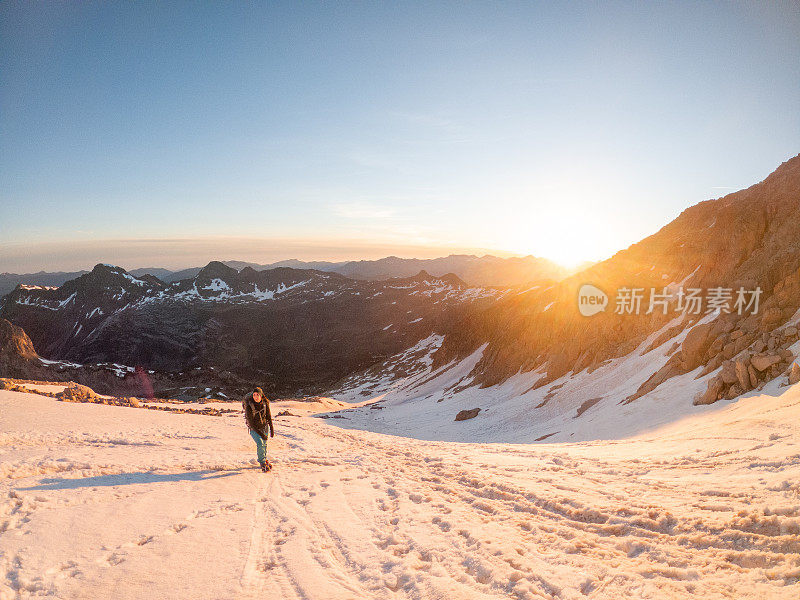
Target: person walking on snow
x=258, y=417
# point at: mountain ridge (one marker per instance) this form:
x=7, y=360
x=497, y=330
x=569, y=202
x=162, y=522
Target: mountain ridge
x=483, y=270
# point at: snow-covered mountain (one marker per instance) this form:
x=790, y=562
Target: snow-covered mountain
x=538, y=369
x=290, y=328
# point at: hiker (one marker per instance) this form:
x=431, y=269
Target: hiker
x=258, y=417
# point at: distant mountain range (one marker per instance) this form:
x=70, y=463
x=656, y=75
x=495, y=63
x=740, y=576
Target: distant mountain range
x=481, y=271
x=290, y=328
x=8, y=281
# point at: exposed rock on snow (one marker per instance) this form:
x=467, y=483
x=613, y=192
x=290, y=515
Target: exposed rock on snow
x=713, y=392
x=695, y=345
x=75, y=392
x=464, y=415
x=794, y=374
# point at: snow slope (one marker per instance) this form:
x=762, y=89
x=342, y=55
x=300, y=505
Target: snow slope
x=417, y=401
x=165, y=505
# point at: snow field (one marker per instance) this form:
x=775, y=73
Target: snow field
x=165, y=505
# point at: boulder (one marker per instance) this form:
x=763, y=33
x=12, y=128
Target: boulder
x=715, y=387
x=728, y=373
x=723, y=325
x=713, y=364
x=790, y=331
x=467, y=414
x=794, y=374
x=74, y=392
x=733, y=392
x=729, y=351
x=742, y=374
x=715, y=347
x=762, y=362
x=753, y=375
x=750, y=324
x=742, y=343
x=695, y=345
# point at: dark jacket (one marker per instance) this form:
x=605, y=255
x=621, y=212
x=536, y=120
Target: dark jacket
x=258, y=415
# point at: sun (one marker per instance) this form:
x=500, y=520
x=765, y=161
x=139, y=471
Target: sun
x=569, y=243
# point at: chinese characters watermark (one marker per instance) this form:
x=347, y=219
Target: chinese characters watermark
x=693, y=301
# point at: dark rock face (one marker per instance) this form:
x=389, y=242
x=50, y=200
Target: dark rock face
x=19, y=360
x=289, y=329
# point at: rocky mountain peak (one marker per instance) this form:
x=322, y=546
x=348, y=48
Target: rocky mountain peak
x=105, y=276
x=448, y=279
x=216, y=270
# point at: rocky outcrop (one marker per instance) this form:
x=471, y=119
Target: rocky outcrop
x=762, y=362
x=745, y=373
x=19, y=361
x=465, y=415
x=695, y=345
x=712, y=393
x=75, y=392
x=17, y=355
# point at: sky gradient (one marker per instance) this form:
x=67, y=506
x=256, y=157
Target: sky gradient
x=338, y=130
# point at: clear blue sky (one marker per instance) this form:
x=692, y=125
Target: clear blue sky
x=567, y=130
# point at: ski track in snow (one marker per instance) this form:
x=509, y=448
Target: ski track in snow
x=165, y=505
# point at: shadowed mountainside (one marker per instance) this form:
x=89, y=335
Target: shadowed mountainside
x=295, y=328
